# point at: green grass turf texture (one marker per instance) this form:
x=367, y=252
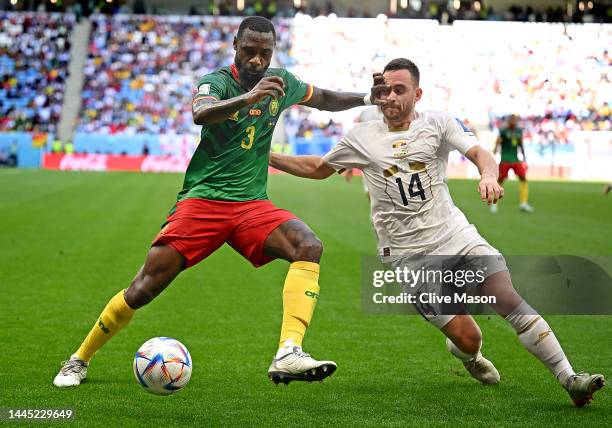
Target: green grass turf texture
x=69, y=241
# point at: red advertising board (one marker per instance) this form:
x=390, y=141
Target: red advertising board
x=98, y=162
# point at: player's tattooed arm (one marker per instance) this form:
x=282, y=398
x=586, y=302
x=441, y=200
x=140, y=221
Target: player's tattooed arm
x=208, y=110
x=302, y=166
x=489, y=189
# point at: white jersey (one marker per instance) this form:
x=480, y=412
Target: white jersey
x=412, y=210
x=370, y=113
x=366, y=115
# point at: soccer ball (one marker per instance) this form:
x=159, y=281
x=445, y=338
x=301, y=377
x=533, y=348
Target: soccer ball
x=162, y=365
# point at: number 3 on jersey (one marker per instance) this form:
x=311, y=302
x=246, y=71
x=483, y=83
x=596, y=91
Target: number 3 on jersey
x=247, y=143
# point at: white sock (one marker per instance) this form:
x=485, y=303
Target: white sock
x=536, y=335
x=463, y=356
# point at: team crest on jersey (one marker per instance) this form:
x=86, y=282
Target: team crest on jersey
x=273, y=107
x=400, y=144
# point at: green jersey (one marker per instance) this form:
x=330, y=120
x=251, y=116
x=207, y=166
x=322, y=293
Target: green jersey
x=510, y=140
x=231, y=160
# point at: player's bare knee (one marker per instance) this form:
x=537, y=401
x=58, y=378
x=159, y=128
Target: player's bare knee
x=309, y=249
x=469, y=337
x=138, y=295
x=144, y=288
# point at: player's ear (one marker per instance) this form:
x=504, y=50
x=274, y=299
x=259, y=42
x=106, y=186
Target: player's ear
x=419, y=94
x=235, y=43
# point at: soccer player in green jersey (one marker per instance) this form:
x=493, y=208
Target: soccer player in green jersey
x=510, y=140
x=224, y=199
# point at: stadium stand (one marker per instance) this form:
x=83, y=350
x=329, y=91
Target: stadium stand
x=141, y=71
x=34, y=57
x=556, y=76
x=140, y=74
x=595, y=11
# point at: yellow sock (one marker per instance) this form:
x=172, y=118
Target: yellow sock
x=523, y=192
x=116, y=315
x=300, y=295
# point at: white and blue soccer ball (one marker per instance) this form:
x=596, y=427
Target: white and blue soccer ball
x=162, y=365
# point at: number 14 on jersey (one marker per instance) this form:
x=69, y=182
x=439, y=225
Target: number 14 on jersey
x=415, y=189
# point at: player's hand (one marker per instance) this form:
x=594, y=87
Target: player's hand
x=490, y=190
x=271, y=86
x=380, y=90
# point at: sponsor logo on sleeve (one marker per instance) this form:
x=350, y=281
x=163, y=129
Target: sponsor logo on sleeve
x=465, y=128
x=204, y=89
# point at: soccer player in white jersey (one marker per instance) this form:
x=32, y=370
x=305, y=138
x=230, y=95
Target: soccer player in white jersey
x=404, y=161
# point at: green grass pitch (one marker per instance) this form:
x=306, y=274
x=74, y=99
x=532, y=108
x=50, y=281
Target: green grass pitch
x=69, y=241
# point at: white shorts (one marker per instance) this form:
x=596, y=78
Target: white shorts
x=457, y=254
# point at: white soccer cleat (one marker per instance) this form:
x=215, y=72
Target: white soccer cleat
x=298, y=365
x=526, y=208
x=483, y=370
x=493, y=208
x=72, y=372
x=582, y=386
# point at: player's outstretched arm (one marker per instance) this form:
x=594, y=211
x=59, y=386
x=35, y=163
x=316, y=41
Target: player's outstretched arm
x=302, y=166
x=324, y=99
x=489, y=189
x=208, y=110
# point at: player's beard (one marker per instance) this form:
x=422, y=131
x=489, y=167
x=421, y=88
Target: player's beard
x=398, y=114
x=394, y=112
x=248, y=78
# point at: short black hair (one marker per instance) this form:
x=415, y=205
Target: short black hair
x=404, y=64
x=256, y=23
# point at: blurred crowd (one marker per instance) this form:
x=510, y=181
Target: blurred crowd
x=441, y=10
x=558, y=83
x=141, y=71
x=34, y=57
x=556, y=76
x=300, y=123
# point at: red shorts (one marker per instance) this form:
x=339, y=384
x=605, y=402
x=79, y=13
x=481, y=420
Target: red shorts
x=199, y=226
x=519, y=168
